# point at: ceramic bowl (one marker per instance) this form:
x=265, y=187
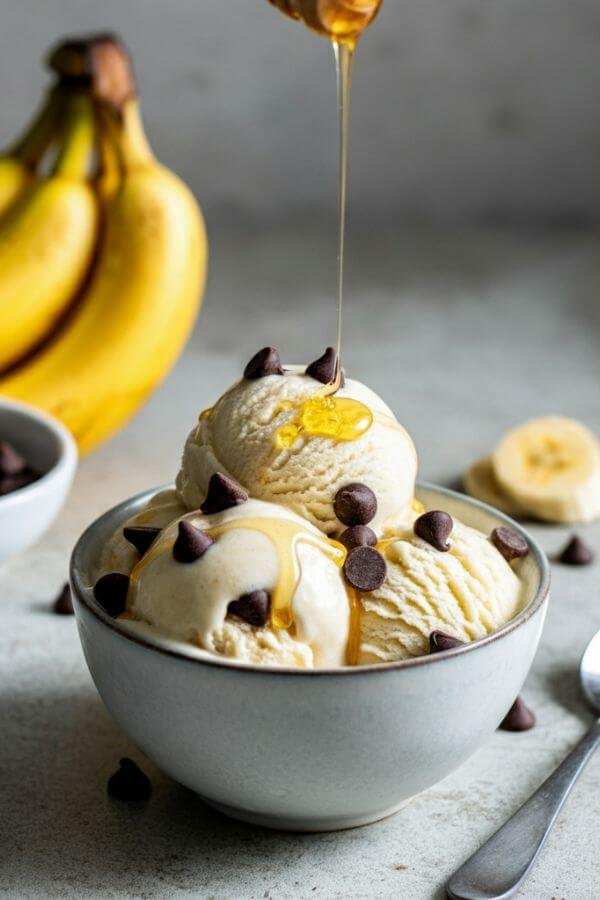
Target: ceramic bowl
x=307, y=750
x=48, y=447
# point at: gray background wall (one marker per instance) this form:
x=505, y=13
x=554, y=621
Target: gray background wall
x=464, y=110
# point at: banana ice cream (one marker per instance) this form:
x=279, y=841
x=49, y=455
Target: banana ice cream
x=260, y=434
x=293, y=537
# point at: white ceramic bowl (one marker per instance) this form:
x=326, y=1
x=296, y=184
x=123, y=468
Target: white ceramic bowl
x=316, y=750
x=49, y=448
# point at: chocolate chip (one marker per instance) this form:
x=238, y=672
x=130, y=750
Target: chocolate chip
x=129, y=783
x=253, y=608
x=435, y=527
x=365, y=568
x=439, y=641
x=358, y=536
x=10, y=483
x=265, y=362
x=509, y=543
x=576, y=553
x=222, y=493
x=111, y=593
x=324, y=369
x=11, y=461
x=355, y=504
x=191, y=543
x=518, y=718
x=63, y=605
x=141, y=536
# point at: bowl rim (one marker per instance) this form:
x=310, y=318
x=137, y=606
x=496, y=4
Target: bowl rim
x=67, y=452
x=84, y=596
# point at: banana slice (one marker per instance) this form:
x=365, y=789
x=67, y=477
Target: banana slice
x=481, y=483
x=550, y=467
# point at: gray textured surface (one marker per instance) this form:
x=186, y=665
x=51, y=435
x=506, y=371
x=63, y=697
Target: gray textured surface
x=463, y=334
x=462, y=109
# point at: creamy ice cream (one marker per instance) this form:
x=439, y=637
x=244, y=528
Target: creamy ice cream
x=258, y=547
x=239, y=437
x=294, y=539
x=467, y=592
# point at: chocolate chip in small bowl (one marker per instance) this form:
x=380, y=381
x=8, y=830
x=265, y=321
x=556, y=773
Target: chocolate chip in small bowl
x=435, y=527
x=15, y=471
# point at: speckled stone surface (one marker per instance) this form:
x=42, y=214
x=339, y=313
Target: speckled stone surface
x=464, y=335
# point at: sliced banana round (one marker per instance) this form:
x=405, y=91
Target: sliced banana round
x=481, y=483
x=550, y=467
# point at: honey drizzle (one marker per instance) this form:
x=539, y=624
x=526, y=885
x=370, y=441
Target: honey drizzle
x=285, y=535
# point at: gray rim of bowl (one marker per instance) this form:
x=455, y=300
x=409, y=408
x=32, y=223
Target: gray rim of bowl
x=85, y=597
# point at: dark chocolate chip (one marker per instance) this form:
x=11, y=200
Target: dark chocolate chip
x=518, y=718
x=265, y=362
x=365, y=568
x=439, y=641
x=509, y=543
x=435, y=527
x=111, y=593
x=358, y=536
x=129, y=783
x=324, y=369
x=222, y=493
x=141, y=536
x=355, y=504
x=11, y=461
x=191, y=543
x=10, y=483
x=576, y=553
x=253, y=608
x=63, y=605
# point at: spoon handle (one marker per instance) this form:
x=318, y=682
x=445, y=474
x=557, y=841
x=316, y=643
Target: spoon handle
x=497, y=869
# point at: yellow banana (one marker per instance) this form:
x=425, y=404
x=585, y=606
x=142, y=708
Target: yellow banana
x=140, y=303
x=47, y=241
x=17, y=164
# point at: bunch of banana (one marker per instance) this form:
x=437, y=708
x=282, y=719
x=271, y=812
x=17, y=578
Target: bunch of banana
x=117, y=259
x=548, y=468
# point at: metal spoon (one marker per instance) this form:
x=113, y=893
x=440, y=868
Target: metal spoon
x=497, y=869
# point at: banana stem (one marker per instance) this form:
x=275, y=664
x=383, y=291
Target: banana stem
x=73, y=161
x=31, y=147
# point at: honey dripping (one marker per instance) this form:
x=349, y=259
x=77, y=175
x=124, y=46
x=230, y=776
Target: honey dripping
x=342, y=21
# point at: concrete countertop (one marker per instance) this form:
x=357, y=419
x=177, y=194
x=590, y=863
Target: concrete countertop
x=463, y=334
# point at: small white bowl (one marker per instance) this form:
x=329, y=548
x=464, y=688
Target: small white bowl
x=307, y=750
x=49, y=448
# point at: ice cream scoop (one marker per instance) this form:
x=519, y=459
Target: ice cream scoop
x=466, y=591
x=286, y=442
x=254, y=582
